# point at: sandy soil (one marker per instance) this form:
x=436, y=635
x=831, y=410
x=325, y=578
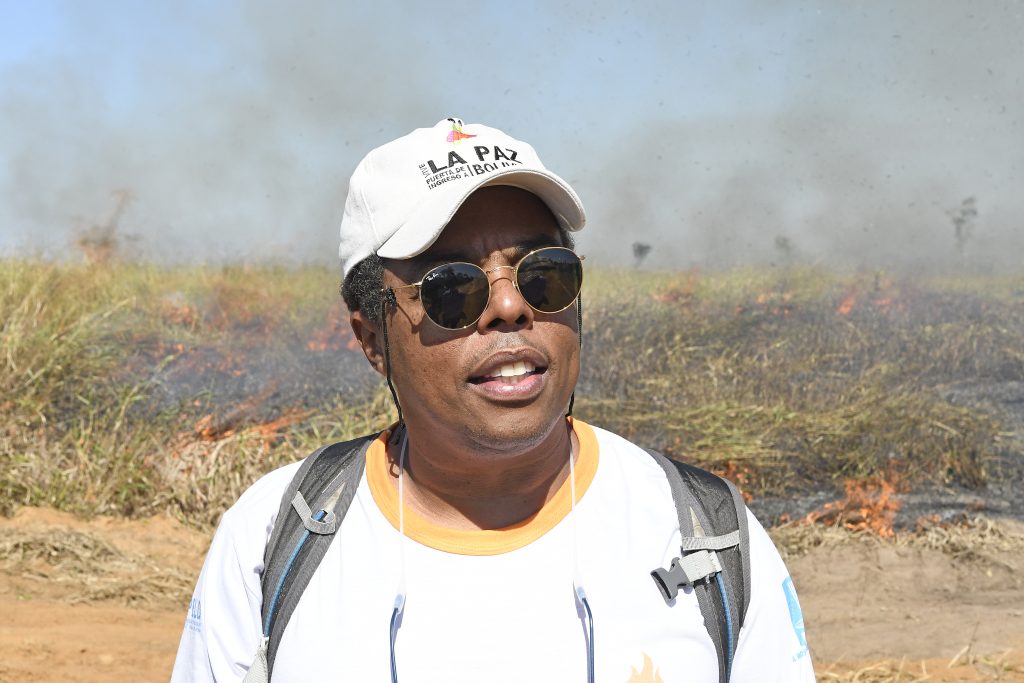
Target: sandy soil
x=105, y=600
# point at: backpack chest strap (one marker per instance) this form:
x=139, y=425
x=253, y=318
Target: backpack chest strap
x=711, y=542
x=714, y=554
x=698, y=562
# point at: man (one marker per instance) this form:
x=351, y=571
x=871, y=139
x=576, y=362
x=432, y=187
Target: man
x=491, y=538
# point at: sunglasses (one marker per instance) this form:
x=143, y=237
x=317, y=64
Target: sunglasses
x=455, y=295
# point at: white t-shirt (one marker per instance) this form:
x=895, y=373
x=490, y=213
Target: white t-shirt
x=495, y=605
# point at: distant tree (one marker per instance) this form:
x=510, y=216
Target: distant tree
x=963, y=224
x=99, y=241
x=785, y=247
x=640, y=252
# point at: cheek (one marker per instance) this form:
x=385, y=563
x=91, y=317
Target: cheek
x=566, y=331
x=572, y=351
x=425, y=370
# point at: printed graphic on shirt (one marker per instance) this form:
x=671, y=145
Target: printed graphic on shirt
x=796, y=616
x=646, y=675
x=194, y=621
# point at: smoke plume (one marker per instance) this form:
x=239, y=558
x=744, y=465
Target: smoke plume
x=838, y=134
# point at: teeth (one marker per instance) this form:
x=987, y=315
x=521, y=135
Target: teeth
x=515, y=369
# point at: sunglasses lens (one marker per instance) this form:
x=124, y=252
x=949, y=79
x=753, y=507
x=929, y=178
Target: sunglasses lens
x=550, y=279
x=454, y=295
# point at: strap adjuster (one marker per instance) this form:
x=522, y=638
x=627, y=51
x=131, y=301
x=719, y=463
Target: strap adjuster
x=696, y=566
x=326, y=526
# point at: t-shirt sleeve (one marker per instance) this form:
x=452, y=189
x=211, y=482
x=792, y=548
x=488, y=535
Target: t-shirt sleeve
x=772, y=645
x=222, y=627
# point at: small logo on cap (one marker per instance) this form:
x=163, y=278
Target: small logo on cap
x=456, y=135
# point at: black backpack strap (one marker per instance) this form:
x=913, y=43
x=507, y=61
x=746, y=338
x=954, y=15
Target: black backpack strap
x=311, y=512
x=715, y=554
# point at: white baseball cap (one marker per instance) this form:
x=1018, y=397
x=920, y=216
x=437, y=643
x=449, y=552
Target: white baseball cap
x=402, y=194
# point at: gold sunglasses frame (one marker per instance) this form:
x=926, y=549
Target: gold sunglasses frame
x=515, y=283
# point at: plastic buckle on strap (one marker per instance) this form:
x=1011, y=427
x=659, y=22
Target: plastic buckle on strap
x=326, y=526
x=685, y=571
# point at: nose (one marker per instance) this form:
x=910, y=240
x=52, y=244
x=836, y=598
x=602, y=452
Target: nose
x=506, y=309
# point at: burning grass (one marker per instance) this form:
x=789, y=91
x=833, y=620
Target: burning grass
x=805, y=377
x=976, y=539
x=867, y=506
x=129, y=389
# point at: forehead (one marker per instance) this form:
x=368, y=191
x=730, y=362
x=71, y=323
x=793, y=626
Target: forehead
x=494, y=219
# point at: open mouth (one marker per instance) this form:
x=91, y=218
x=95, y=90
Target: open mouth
x=510, y=373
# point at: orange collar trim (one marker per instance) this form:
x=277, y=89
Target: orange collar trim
x=481, y=541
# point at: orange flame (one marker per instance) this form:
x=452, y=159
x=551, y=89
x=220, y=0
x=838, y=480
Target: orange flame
x=182, y=314
x=776, y=303
x=208, y=428
x=269, y=430
x=211, y=428
x=847, y=304
x=335, y=333
x=867, y=506
x=680, y=293
x=879, y=291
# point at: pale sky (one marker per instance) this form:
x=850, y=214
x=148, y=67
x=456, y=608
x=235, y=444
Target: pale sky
x=714, y=131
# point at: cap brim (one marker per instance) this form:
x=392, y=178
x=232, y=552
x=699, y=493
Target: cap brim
x=429, y=220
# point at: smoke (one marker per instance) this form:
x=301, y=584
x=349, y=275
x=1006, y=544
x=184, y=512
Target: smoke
x=719, y=135
x=888, y=118
x=240, y=154
x=767, y=189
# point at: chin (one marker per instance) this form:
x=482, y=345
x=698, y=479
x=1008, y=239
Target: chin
x=513, y=432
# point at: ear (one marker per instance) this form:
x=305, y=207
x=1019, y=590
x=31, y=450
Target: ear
x=368, y=335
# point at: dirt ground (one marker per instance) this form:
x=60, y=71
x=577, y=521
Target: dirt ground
x=105, y=600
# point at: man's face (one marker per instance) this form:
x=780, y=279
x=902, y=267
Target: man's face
x=449, y=382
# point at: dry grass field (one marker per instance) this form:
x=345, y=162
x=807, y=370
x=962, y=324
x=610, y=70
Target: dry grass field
x=876, y=421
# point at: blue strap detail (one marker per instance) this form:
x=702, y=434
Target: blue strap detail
x=728, y=624
x=284, y=575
